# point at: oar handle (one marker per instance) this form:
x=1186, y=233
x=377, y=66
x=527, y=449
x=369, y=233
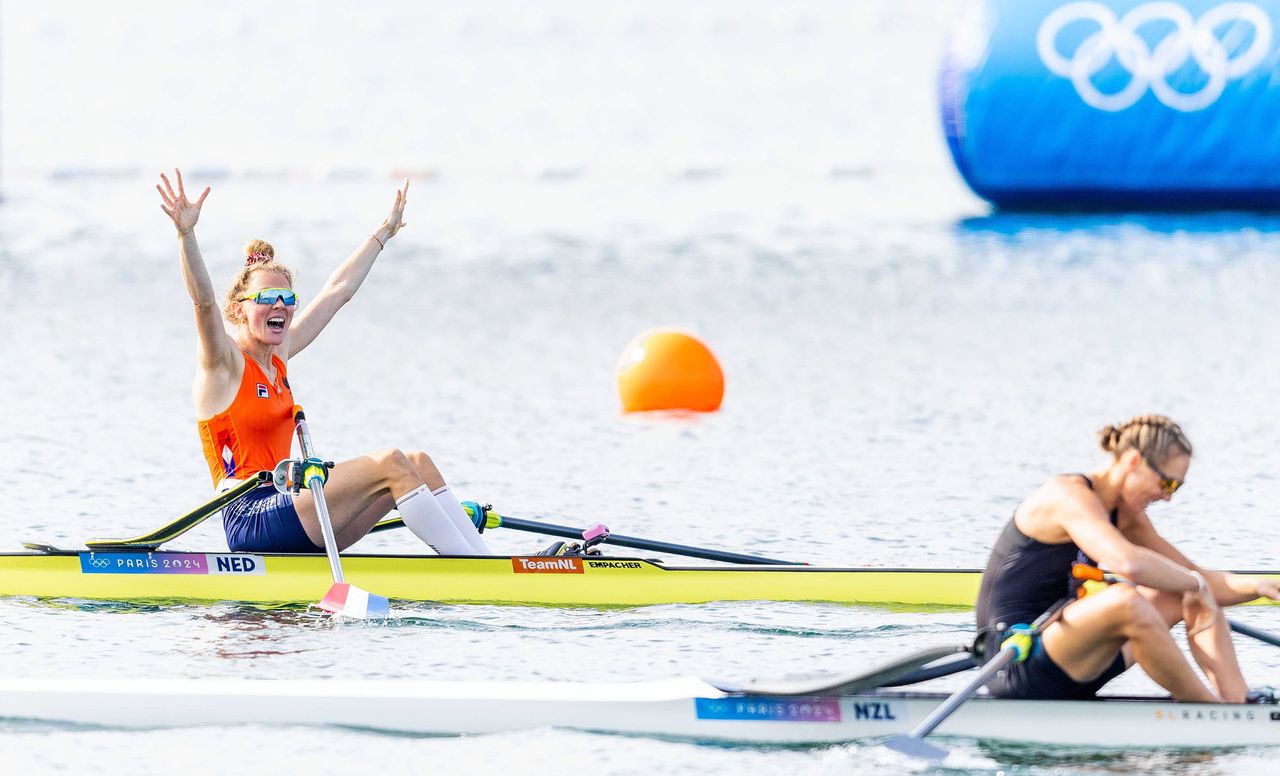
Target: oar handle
x=1086, y=573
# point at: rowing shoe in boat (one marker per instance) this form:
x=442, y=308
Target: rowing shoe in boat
x=688, y=708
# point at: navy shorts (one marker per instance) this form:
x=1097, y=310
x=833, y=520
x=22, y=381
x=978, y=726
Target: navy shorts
x=1039, y=678
x=265, y=521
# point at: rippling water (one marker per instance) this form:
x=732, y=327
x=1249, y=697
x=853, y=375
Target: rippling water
x=901, y=366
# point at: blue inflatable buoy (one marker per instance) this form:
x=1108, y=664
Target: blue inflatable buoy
x=1146, y=104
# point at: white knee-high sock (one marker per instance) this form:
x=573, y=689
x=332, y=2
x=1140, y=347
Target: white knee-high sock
x=430, y=523
x=449, y=503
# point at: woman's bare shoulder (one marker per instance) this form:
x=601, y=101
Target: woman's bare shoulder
x=1043, y=514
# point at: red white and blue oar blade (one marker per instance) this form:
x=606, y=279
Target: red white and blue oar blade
x=347, y=600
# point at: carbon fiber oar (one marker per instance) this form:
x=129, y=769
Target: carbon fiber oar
x=1252, y=632
x=311, y=472
x=847, y=684
x=1014, y=649
x=167, y=533
x=494, y=520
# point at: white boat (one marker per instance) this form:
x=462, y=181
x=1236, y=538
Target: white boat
x=689, y=709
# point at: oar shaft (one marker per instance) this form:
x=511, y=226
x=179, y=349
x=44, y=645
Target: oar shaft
x=942, y=668
x=315, y=484
x=879, y=676
x=186, y=522
x=637, y=543
x=551, y=529
x=1260, y=635
x=1021, y=640
x=943, y=711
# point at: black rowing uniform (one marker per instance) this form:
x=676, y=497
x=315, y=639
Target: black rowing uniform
x=1023, y=579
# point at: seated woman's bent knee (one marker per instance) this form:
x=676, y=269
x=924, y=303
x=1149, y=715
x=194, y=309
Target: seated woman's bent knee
x=420, y=460
x=392, y=456
x=1135, y=610
x=396, y=470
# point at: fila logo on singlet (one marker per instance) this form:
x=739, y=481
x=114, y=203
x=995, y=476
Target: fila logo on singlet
x=263, y=392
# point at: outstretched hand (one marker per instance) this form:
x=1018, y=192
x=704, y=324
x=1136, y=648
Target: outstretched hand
x=181, y=210
x=1268, y=588
x=395, y=222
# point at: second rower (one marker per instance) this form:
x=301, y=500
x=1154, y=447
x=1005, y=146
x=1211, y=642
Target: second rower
x=1101, y=519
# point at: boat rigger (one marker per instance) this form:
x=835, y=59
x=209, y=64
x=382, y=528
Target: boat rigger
x=129, y=575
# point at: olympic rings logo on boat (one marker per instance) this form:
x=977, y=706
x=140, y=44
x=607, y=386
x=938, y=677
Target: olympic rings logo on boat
x=1150, y=68
x=100, y=563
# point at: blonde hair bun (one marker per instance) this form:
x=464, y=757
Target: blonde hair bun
x=259, y=256
x=258, y=251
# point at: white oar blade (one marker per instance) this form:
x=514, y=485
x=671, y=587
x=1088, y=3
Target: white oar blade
x=350, y=601
x=913, y=746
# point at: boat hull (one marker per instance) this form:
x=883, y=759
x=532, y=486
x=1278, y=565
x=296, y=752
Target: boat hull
x=608, y=581
x=677, y=708
x=612, y=581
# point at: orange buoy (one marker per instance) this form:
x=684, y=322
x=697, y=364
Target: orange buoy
x=666, y=369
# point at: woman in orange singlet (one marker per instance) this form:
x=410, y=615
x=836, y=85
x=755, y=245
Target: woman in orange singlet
x=245, y=404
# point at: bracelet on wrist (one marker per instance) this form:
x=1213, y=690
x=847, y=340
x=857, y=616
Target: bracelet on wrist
x=1202, y=586
x=381, y=244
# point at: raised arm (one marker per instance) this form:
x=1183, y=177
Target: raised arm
x=346, y=279
x=217, y=350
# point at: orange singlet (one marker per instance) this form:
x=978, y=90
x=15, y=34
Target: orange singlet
x=256, y=431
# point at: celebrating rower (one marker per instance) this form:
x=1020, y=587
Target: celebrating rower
x=245, y=404
x=1101, y=519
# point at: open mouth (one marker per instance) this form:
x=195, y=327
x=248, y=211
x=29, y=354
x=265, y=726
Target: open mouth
x=276, y=323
